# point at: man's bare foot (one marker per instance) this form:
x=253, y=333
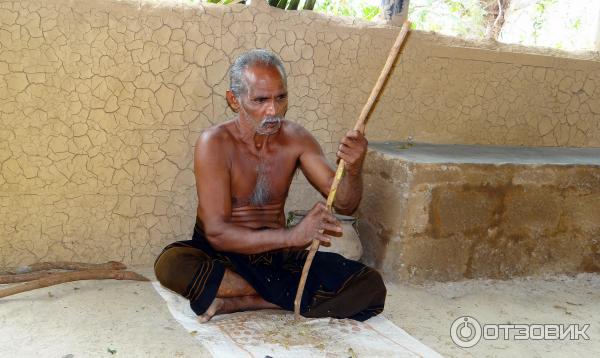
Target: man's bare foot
x=212, y=310
x=234, y=304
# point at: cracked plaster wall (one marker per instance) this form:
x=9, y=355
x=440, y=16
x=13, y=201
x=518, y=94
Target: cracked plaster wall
x=449, y=93
x=101, y=102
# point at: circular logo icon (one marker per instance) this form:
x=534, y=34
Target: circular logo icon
x=465, y=331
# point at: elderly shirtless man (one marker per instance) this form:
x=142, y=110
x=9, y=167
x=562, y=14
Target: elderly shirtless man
x=242, y=256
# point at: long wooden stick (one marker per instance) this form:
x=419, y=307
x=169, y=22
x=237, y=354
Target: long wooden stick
x=360, y=126
x=62, y=277
x=63, y=265
x=24, y=277
x=35, y=273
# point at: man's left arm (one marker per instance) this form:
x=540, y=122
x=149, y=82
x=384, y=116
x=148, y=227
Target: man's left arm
x=314, y=165
x=352, y=149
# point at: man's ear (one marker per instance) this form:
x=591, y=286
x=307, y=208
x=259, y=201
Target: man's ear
x=233, y=102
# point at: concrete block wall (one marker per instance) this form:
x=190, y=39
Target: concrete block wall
x=450, y=220
x=101, y=102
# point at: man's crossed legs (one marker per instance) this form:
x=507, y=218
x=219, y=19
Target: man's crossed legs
x=217, y=283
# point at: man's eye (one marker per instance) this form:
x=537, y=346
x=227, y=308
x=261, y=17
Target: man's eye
x=260, y=100
x=282, y=97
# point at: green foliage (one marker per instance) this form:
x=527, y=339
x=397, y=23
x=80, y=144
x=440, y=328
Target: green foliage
x=293, y=5
x=222, y=2
x=336, y=7
x=541, y=6
x=370, y=12
x=354, y=8
x=309, y=4
x=456, y=7
x=111, y=351
x=466, y=18
x=290, y=219
x=349, y=8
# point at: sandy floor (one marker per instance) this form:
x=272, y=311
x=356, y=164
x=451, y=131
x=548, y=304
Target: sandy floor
x=427, y=312
x=93, y=319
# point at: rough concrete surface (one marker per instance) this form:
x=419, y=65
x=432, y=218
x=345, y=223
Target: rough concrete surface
x=87, y=318
x=454, y=212
x=427, y=312
x=102, y=101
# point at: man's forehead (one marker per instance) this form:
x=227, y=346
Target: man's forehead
x=261, y=75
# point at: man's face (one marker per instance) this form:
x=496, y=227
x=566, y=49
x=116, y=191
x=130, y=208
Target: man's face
x=266, y=102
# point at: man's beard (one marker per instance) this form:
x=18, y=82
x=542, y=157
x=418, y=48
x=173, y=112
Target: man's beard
x=269, y=125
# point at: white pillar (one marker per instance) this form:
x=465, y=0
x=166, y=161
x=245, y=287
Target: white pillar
x=597, y=42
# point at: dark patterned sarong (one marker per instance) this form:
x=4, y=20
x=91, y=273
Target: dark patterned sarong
x=335, y=286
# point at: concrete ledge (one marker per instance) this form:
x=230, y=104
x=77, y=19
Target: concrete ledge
x=449, y=212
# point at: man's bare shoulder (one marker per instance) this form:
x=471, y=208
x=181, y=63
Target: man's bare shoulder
x=217, y=136
x=298, y=135
x=295, y=132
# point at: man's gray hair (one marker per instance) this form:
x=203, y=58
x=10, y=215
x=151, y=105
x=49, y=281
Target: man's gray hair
x=237, y=82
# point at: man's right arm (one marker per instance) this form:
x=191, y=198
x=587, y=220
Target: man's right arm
x=212, y=171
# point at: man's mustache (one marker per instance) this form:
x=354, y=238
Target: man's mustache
x=271, y=119
x=269, y=125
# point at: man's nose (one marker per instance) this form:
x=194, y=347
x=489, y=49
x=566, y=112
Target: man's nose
x=270, y=110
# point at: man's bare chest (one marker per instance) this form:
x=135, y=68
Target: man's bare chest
x=261, y=178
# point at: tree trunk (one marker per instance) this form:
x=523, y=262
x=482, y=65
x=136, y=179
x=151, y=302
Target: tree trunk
x=389, y=8
x=496, y=10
